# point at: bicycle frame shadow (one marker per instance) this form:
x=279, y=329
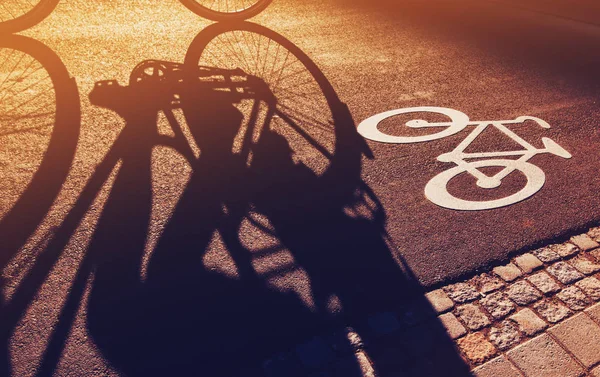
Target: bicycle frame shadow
x=179, y=315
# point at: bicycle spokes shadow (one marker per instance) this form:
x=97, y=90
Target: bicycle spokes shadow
x=436, y=189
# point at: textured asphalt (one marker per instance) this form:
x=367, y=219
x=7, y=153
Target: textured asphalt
x=489, y=62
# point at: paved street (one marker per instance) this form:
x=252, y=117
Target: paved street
x=134, y=247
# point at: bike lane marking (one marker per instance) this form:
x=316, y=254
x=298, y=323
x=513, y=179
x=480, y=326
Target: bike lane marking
x=436, y=189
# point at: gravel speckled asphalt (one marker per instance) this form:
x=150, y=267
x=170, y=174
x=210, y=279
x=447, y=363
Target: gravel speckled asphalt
x=490, y=62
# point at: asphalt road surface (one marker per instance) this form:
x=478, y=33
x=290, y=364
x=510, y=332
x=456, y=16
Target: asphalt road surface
x=331, y=225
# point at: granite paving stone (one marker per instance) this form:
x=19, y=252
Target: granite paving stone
x=564, y=249
x=508, y=273
x=584, y=242
x=498, y=305
x=552, y=311
x=476, y=347
x=439, y=301
x=543, y=357
x=505, y=335
x=487, y=283
x=574, y=298
x=595, y=372
x=565, y=273
x=528, y=322
x=523, y=293
x=498, y=367
x=585, y=265
x=595, y=233
x=594, y=312
x=595, y=254
x=546, y=255
x=591, y=287
x=462, y=292
x=528, y=263
x=544, y=282
x=472, y=316
x=580, y=336
x=453, y=327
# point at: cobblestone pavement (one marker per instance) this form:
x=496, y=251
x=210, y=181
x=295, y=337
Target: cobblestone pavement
x=536, y=316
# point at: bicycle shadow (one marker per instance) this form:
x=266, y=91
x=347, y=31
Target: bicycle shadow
x=187, y=318
x=183, y=312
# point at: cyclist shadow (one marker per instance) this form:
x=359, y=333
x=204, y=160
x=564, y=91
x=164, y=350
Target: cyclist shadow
x=186, y=317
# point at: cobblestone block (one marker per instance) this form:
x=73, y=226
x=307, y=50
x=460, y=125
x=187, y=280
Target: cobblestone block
x=564, y=249
x=476, y=347
x=453, y=327
x=543, y=357
x=544, y=282
x=523, y=293
x=508, y=273
x=580, y=336
x=591, y=287
x=584, y=242
x=595, y=372
x=497, y=305
x=472, y=316
x=315, y=353
x=565, y=273
x=487, y=283
x=498, y=367
x=439, y=300
x=504, y=336
x=595, y=233
x=546, y=255
x=552, y=311
x=595, y=254
x=594, y=312
x=574, y=298
x=528, y=263
x=528, y=323
x=462, y=292
x=584, y=265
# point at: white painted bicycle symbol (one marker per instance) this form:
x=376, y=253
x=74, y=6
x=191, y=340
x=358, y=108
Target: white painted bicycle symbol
x=436, y=189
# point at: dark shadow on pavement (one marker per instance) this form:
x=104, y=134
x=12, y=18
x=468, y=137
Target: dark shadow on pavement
x=29, y=66
x=179, y=316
